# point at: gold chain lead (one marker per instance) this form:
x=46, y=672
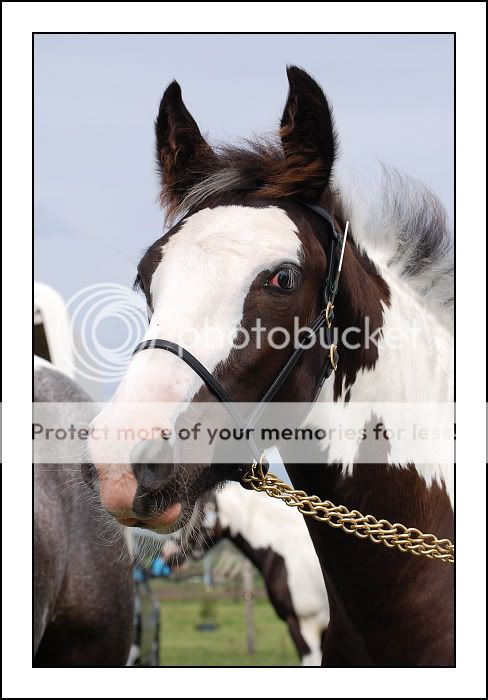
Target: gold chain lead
x=392, y=535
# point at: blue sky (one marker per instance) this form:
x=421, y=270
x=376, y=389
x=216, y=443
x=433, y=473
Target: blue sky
x=96, y=97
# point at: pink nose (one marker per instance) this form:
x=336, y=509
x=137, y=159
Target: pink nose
x=118, y=488
x=118, y=495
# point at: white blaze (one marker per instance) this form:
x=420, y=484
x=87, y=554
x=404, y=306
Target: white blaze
x=198, y=292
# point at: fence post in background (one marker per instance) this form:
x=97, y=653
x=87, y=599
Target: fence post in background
x=247, y=580
x=207, y=572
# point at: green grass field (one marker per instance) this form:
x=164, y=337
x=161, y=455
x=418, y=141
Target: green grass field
x=183, y=645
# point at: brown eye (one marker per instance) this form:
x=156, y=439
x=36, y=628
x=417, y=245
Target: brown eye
x=286, y=279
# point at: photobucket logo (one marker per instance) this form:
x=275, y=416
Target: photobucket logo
x=301, y=336
x=261, y=336
x=107, y=321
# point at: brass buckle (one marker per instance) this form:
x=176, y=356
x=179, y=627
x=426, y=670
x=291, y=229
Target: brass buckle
x=332, y=356
x=327, y=314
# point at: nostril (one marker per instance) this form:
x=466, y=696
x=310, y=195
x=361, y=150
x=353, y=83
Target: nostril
x=153, y=477
x=152, y=464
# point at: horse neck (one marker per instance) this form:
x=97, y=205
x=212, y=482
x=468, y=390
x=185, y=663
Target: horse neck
x=405, y=358
x=359, y=576
x=387, y=607
x=414, y=357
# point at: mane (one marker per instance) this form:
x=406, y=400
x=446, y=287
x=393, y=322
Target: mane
x=405, y=226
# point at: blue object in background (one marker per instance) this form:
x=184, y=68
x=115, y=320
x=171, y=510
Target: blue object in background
x=159, y=568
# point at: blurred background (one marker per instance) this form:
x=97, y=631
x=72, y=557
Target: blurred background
x=96, y=210
x=210, y=612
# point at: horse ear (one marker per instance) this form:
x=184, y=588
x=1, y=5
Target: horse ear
x=182, y=154
x=307, y=133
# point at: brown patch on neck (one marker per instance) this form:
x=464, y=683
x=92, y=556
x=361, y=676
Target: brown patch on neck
x=388, y=608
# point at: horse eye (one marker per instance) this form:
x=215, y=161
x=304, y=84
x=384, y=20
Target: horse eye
x=286, y=279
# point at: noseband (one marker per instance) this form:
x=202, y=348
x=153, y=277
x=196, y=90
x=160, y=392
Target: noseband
x=323, y=320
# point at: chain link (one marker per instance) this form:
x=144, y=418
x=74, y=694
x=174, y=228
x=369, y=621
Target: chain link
x=392, y=535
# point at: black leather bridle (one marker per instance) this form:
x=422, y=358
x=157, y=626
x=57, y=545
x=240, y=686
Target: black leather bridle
x=323, y=320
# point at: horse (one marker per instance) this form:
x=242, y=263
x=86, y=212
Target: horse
x=255, y=233
x=82, y=587
x=276, y=541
